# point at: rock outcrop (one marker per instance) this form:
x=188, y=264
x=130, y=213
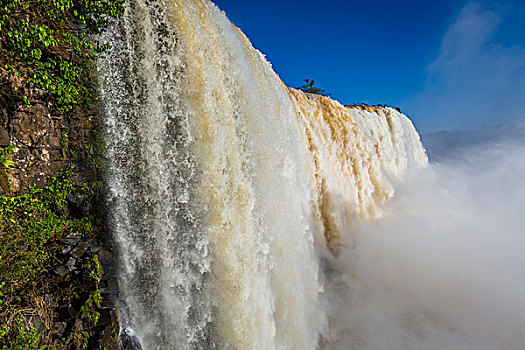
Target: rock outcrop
x=44, y=141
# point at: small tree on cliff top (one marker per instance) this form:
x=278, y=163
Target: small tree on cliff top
x=310, y=88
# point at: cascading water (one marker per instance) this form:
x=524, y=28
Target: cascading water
x=225, y=187
x=358, y=154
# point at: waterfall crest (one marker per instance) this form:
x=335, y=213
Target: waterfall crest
x=358, y=154
x=225, y=187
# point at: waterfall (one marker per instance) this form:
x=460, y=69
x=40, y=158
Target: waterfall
x=358, y=155
x=227, y=190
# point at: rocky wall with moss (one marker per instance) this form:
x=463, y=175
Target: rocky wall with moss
x=41, y=142
x=57, y=285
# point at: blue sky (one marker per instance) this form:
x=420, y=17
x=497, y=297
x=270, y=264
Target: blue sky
x=447, y=64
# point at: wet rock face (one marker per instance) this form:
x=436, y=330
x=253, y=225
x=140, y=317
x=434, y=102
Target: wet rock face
x=79, y=205
x=4, y=137
x=129, y=342
x=72, y=270
x=44, y=140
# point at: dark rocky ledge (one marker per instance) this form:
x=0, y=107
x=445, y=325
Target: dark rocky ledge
x=43, y=142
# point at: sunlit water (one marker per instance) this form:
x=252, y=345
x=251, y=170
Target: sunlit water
x=251, y=216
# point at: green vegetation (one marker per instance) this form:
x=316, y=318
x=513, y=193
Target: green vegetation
x=45, y=42
x=33, y=227
x=26, y=339
x=5, y=163
x=41, y=215
x=310, y=88
x=47, y=53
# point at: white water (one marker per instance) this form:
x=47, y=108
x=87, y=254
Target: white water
x=230, y=195
x=357, y=156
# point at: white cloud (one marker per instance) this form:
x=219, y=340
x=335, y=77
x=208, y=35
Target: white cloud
x=474, y=79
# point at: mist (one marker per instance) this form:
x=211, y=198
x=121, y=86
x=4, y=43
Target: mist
x=445, y=269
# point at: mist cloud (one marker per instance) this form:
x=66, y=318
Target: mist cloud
x=446, y=269
x=474, y=79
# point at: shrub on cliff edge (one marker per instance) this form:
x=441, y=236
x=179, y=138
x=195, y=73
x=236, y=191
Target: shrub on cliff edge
x=310, y=88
